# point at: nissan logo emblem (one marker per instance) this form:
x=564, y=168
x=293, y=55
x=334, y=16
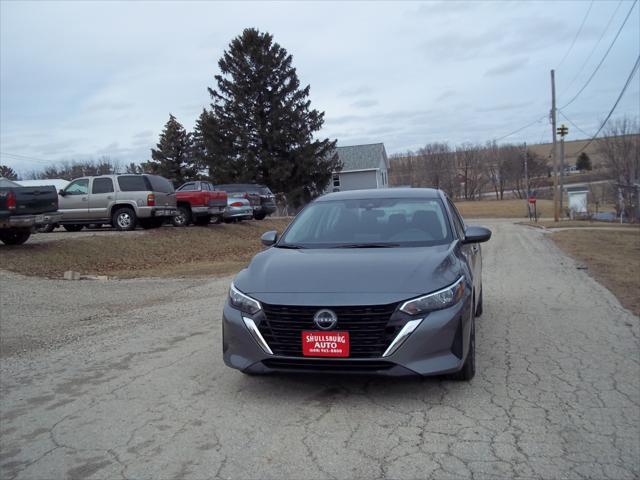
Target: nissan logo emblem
x=325, y=319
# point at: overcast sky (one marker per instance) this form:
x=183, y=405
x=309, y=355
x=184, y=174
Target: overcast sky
x=80, y=80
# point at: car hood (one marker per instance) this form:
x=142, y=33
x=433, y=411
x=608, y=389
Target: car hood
x=344, y=276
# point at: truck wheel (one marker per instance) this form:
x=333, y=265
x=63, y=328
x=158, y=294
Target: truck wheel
x=183, y=218
x=14, y=237
x=46, y=228
x=217, y=219
x=124, y=219
x=203, y=221
x=73, y=227
x=259, y=215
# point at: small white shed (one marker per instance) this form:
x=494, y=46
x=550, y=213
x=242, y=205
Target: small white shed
x=578, y=201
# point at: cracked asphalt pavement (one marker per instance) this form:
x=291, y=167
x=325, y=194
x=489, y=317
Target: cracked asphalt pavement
x=125, y=379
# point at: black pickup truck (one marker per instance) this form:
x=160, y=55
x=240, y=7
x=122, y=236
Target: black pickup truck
x=22, y=209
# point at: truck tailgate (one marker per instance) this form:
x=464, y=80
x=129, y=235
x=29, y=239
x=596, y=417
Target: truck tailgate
x=30, y=200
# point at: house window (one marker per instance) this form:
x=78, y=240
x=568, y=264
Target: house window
x=336, y=180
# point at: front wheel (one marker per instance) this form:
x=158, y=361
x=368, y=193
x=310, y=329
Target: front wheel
x=259, y=215
x=479, y=307
x=468, y=370
x=183, y=218
x=124, y=219
x=14, y=237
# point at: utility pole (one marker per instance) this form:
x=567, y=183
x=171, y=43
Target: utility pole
x=555, y=153
x=526, y=180
x=562, y=131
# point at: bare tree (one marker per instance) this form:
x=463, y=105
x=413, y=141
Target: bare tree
x=620, y=150
x=469, y=167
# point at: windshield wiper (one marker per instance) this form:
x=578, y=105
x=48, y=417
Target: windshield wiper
x=292, y=246
x=368, y=245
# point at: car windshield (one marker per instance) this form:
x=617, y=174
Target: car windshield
x=372, y=223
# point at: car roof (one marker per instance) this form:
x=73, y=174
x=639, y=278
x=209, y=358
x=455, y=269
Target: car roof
x=241, y=185
x=382, y=193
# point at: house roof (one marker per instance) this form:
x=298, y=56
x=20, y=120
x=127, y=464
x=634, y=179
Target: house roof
x=362, y=157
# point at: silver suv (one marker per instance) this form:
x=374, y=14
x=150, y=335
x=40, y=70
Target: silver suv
x=123, y=201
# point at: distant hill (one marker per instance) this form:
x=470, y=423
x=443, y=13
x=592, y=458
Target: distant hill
x=571, y=149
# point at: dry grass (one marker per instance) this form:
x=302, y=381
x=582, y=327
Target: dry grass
x=612, y=257
x=217, y=249
x=581, y=224
x=502, y=208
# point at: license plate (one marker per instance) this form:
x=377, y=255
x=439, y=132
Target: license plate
x=325, y=344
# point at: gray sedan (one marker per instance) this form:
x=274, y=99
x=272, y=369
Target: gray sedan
x=238, y=208
x=369, y=281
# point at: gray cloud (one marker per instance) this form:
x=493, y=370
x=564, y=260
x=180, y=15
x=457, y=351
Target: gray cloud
x=355, y=91
x=507, y=67
x=364, y=103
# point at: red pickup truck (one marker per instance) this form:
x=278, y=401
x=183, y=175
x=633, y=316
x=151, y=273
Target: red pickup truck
x=198, y=203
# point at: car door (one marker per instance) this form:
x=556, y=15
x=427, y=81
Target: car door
x=74, y=204
x=101, y=198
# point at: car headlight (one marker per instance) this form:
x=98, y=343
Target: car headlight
x=243, y=302
x=435, y=301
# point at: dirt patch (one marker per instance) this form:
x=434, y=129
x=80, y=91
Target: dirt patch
x=612, y=258
x=168, y=251
x=502, y=208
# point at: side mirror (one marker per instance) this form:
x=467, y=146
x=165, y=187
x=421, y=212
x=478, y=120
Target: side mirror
x=61, y=192
x=476, y=234
x=269, y=238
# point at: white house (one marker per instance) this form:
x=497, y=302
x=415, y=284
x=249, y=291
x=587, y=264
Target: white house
x=363, y=166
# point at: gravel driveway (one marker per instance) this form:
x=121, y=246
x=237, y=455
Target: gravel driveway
x=125, y=379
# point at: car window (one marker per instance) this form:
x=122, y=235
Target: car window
x=133, y=183
x=78, y=187
x=458, y=223
x=204, y=186
x=265, y=191
x=402, y=222
x=187, y=187
x=159, y=184
x=102, y=185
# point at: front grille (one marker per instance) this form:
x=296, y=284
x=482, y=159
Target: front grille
x=370, y=331
x=327, y=365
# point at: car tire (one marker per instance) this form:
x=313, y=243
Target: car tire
x=183, y=218
x=74, y=227
x=479, y=307
x=124, y=219
x=259, y=215
x=217, y=219
x=228, y=220
x=468, y=370
x=14, y=238
x=151, y=223
x=46, y=228
x=203, y=221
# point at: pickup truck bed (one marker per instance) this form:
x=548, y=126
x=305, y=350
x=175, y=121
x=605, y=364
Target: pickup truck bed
x=24, y=208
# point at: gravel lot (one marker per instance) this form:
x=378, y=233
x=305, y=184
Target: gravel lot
x=125, y=379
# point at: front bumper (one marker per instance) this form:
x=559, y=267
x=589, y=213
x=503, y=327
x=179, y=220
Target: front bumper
x=437, y=346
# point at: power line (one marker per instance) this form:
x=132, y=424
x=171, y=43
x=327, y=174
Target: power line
x=537, y=120
x=624, y=89
x=576, y=36
x=603, y=58
x=15, y=156
x=584, y=64
x=574, y=125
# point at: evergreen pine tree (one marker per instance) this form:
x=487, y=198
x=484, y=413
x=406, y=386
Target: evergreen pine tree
x=260, y=127
x=583, y=162
x=8, y=172
x=173, y=156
